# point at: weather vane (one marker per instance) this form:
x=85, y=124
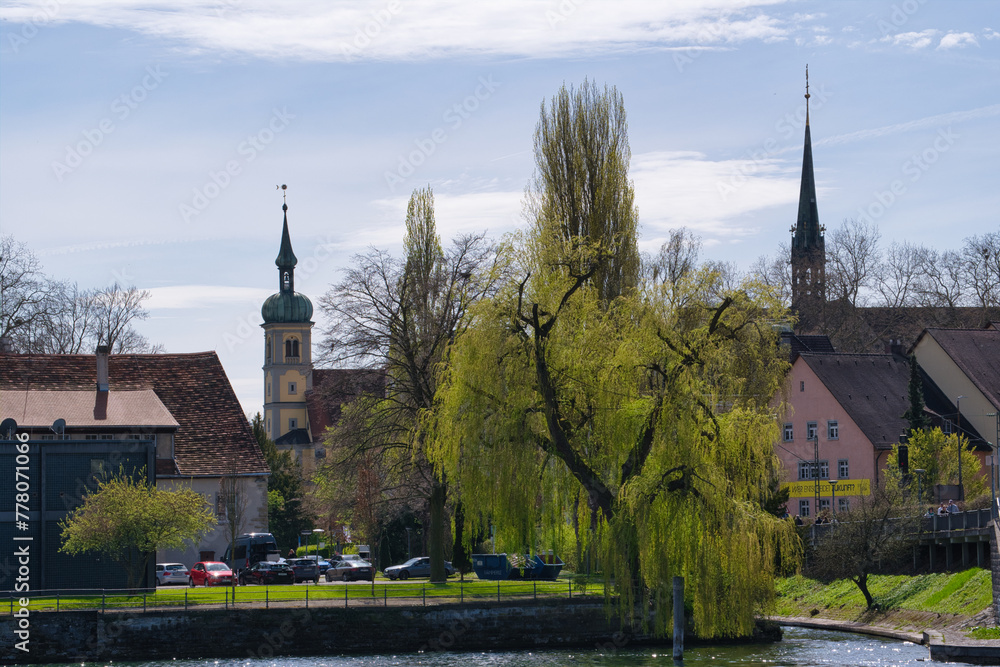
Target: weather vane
x=284, y=195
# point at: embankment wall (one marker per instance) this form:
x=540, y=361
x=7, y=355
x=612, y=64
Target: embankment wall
x=247, y=633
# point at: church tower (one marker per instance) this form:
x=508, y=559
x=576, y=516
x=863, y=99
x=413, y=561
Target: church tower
x=287, y=352
x=808, y=245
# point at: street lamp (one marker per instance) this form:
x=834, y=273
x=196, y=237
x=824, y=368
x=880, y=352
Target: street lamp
x=316, y=532
x=919, y=472
x=961, y=489
x=833, y=490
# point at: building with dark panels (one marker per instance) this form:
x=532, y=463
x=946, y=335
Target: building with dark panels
x=175, y=414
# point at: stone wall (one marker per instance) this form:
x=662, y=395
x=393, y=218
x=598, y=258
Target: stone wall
x=244, y=633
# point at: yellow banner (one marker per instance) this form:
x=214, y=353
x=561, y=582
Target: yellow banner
x=845, y=487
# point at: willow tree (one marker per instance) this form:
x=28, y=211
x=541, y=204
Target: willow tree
x=648, y=401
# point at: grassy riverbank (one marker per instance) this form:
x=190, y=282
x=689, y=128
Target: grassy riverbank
x=953, y=602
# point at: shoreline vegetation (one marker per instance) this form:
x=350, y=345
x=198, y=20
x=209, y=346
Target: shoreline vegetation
x=956, y=605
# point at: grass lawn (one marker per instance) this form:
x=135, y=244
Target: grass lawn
x=954, y=595
x=414, y=592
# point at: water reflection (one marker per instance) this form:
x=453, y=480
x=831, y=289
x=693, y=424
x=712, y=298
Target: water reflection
x=801, y=648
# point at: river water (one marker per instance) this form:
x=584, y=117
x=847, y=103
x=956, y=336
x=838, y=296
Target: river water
x=801, y=647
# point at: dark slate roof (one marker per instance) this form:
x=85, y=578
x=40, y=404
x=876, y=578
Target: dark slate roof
x=213, y=429
x=335, y=387
x=297, y=436
x=977, y=353
x=799, y=343
x=872, y=389
x=868, y=329
x=808, y=233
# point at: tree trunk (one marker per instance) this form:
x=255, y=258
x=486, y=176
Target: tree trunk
x=439, y=493
x=861, y=582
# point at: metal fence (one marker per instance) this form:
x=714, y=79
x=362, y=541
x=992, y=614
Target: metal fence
x=265, y=597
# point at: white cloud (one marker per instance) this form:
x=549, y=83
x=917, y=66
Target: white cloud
x=204, y=296
x=957, y=40
x=990, y=33
x=420, y=29
x=912, y=40
x=686, y=189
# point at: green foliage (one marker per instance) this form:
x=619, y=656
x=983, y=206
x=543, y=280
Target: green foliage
x=915, y=389
x=937, y=454
x=581, y=191
x=128, y=519
x=654, y=414
x=286, y=516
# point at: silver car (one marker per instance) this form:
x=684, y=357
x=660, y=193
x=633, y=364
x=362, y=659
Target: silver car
x=415, y=567
x=172, y=573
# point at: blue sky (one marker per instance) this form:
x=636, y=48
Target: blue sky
x=142, y=141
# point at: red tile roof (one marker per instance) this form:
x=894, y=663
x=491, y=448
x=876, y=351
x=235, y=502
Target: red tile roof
x=334, y=388
x=213, y=431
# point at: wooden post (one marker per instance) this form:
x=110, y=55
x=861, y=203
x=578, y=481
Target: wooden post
x=678, y=618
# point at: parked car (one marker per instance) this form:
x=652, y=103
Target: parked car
x=354, y=557
x=350, y=570
x=305, y=569
x=172, y=573
x=250, y=548
x=415, y=567
x=322, y=563
x=211, y=573
x=266, y=572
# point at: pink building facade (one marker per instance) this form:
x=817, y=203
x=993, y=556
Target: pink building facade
x=844, y=411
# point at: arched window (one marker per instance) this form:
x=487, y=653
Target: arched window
x=292, y=348
x=287, y=279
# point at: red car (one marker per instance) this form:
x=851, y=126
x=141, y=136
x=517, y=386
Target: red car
x=211, y=573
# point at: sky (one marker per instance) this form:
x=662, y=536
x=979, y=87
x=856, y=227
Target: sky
x=143, y=142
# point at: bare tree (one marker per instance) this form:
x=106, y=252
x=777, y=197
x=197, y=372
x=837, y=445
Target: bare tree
x=852, y=257
x=26, y=294
x=877, y=532
x=117, y=309
x=896, y=277
x=982, y=267
x=233, y=505
x=775, y=272
x=942, y=276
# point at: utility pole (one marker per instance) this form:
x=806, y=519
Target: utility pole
x=961, y=489
x=815, y=468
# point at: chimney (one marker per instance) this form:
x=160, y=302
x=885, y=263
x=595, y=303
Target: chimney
x=102, y=368
x=6, y=345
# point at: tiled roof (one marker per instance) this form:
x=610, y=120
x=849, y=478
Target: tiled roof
x=977, y=353
x=872, y=388
x=213, y=431
x=35, y=407
x=335, y=387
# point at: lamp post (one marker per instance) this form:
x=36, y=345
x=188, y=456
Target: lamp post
x=919, y=472
x=316, y=532
x=833, y=490
x=961, y=489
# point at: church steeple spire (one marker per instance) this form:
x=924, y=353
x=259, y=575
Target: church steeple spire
x=286, y=259
x=808, y=245
x=808, y=232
